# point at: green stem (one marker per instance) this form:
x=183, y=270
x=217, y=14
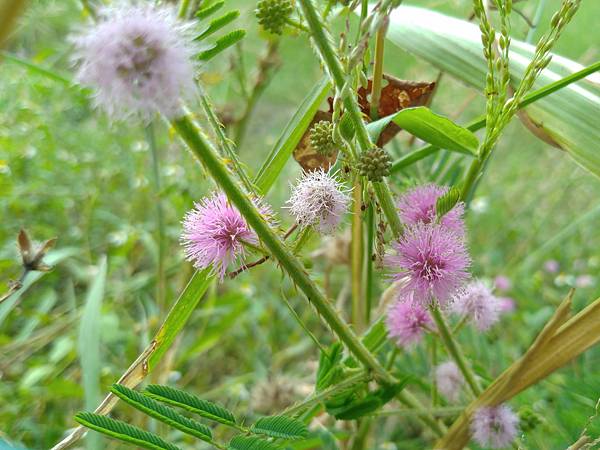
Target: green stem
x=479, y=123
x=369, y=260
x=205, y=153
x=378, y=70
x=356, y=257
x=434, y=362
x=455, y=351
x=160, y=271
x=183, y=9
x=336, y=71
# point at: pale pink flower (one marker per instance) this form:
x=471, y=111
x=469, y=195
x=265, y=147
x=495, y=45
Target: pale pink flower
x=449, y=380
x=551, y=266
x=584, y=281
x=433, y=262
x=406, y=322
x=214, y=233
x=417, y=205
x=502, y=283
x=506, y=304
x=138, y=60
x=477, y=303
x=319, y=200
x=494, y=426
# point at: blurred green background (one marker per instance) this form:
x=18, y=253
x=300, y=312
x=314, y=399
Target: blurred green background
x=66, y=171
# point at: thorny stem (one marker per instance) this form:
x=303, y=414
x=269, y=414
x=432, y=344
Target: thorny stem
x=455, y=351
x=205, y=153
x=160, y=269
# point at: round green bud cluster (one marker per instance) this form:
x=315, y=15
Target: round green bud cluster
x=321, y=137
x=374, y=164
x=272, y=14
x=528, y=419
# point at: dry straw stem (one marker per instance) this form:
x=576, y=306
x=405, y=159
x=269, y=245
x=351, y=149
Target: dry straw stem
x=559, y=342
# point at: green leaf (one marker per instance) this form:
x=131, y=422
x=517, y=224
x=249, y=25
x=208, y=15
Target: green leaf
x=123, y=431
x=430, y=127
x=289, y=139
x=162, y=413
x=216, y=24
x=181, y=399
x=280, y=427
x=203, y=13
x=250, y=443
x=329, y=366
x=568, y=116
x=89, y=343
x=446, y=202
x=222, y=44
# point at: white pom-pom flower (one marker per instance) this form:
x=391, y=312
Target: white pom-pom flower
x=319, y=200
x=138, y=60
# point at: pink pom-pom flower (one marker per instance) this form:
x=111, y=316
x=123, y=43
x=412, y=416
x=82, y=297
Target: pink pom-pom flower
x=477, y=303
x=214, y=233
x=494, y=426
x=406, y=322
x=432, y=260
x=138, y=60
x=417, y=205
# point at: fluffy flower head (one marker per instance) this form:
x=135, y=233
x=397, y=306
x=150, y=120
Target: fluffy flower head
x=478, y=304
x=138, y=59
x=406, y=322
x=214, y=233
x=432, y=260
x=494, y=427
x=318, y=199
x=449, y=380
x=417, y=205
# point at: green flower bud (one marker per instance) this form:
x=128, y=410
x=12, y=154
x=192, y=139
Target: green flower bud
x=272, y=14
x=374, y=164
x=321, y=137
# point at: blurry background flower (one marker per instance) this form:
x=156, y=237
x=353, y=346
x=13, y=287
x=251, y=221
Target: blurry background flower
x=502, y=283
x=551, y=266
x=449, y=380
x=477, y=303
x=494, y=426
x=137, y=58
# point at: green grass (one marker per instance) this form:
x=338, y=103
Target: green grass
x=66, y=171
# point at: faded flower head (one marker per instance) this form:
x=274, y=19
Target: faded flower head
x=494, y=426
x=433, y=260
x=214, y=233
x=318, y=199
x=417, y=205
x=138, y=59
x=449, y=380
x=502, y=283
x=478, y=304
x=551, y=266
x=406, y=322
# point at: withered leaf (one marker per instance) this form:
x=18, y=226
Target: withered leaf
x=307, y=156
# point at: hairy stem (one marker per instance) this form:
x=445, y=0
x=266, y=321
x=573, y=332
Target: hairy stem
x=356, y=256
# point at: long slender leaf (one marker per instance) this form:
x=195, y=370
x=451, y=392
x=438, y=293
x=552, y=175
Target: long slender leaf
x=191, y=403
x=222, y=44
x=569, y=116
x=123, y=431
x=289, y=139
x=218, y=23
x=162, y=412
x=89, y=344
